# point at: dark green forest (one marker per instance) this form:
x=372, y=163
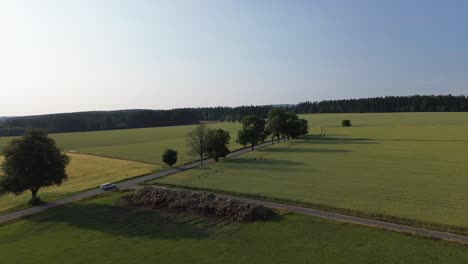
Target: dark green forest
x=122, y=119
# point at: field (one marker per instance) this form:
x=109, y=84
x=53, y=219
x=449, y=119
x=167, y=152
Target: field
x=107, y=233
x=146, y=144
x=389, y=119
x=408, y=166
x=84, y=172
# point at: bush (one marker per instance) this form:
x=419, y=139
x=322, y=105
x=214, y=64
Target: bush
x=170, y=157
x=346, y=123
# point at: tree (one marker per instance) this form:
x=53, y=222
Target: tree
x=266, y=132
x=252, y=132
x=294, y=127
x=170, y=157
x=303, y=127
x=32, y=162
x=217, y=142
x=276, y=122
x=346, y=123
x=197, y=141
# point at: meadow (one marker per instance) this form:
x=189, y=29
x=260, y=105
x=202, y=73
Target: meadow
x=84, y=172
x=145, y=144
x=112, y=233
x=393, y=166
x=389, y=119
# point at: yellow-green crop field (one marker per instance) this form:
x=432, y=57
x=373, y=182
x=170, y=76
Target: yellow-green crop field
x=84, y=172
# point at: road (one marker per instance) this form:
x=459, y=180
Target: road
x=133, y=183
x=123, y=185
x=359, y=221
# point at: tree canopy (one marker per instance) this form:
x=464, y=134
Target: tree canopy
x=170, y=157
x=253, y=131
x=217, y=143
x=32, y=162
x=197, y=139
x=276, y=122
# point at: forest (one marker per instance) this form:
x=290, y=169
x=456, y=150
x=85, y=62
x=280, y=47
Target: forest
x=123, y=119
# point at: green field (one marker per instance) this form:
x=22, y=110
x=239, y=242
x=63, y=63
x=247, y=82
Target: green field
x=389, y=119
x=385, y=166
x=146, y=144
x=84, y=172
x=98, y=231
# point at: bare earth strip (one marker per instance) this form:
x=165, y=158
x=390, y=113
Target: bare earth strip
x=295, y=209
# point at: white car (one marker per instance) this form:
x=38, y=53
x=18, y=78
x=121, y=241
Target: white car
x=108, y=186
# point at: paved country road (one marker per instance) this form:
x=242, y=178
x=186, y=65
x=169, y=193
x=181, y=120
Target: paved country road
x=132, y=183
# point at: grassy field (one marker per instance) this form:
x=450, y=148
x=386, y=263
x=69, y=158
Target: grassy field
x=98, y=231
x=384, y=166
x=84, y=172
x=146, y=144
x=389, y=119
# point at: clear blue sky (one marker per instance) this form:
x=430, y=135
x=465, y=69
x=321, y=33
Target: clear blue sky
x=70, y=55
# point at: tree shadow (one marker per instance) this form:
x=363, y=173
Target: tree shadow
x=130, y=222
x=261, y=161
x=314, y=139
x=427, y=140
x=305, y=150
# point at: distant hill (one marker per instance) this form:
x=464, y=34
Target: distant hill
x=139, y=118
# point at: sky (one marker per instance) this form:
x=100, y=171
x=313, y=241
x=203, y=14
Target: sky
x=82, y=55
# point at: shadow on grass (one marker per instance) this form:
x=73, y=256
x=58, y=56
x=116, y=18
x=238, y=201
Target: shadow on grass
x=305, y=150
x=264, y=162
x=129, y=222
x=312, y=139
x=427, y=140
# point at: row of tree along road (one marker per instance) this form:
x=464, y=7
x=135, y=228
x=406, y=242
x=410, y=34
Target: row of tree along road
x=214, y=143
x=34, y=161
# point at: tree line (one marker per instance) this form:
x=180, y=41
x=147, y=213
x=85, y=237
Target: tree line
x=214, y=143
x=110, y=120
x=416, y=103
x=123, y=119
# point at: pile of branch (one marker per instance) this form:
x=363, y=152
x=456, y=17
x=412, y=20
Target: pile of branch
x=206, y=204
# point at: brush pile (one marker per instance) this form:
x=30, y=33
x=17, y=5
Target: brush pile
x=206, y=204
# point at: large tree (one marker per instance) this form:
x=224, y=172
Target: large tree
x=197, y=139
x=217, y=142
x=294, y=126
x=32, y=162
x=276, y=122
x=253, y=131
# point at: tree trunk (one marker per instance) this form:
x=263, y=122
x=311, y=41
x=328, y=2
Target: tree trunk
x=34, y=193
x=201, y=160
x=253, y=147
x=34, y=199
